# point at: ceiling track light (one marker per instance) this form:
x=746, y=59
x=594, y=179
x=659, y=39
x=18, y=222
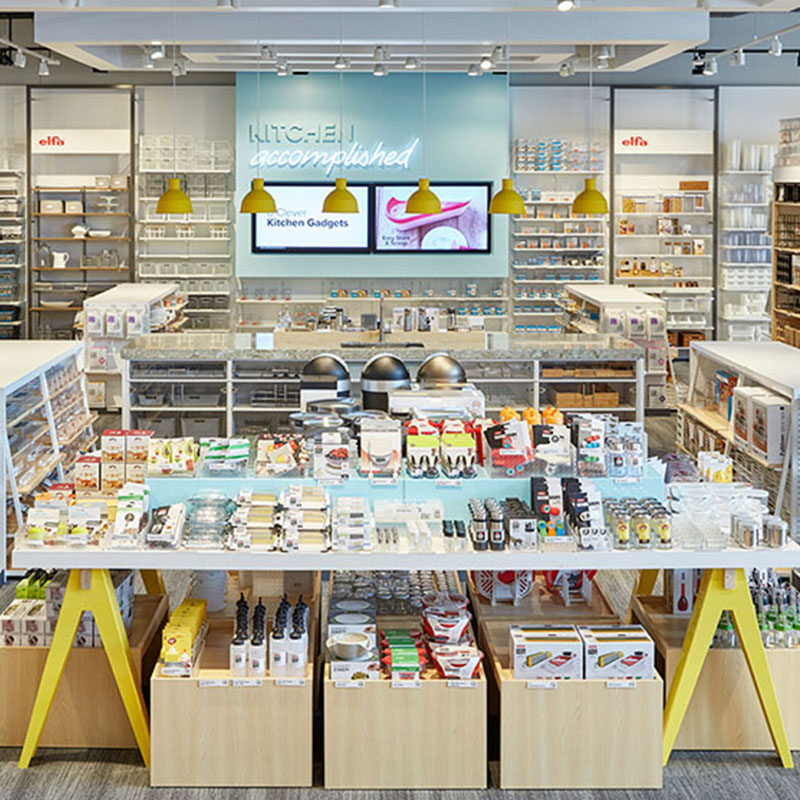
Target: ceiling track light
x=341, y=63
x=158, y=51
x=387, y=4
x=147, y=59
x=776, y=47
x=487, y=62
x=566, y=5
x=697, y=59
x=282, y=69
x=380, y=53
x=267, y=53
x=227, y=4
x=738, y=58
x=411, y=63
x=566, y=69
x=44, y=69
x=72, y=3
x=20, y=59
x=379, y=70
x=474, y=71
x=710, y=66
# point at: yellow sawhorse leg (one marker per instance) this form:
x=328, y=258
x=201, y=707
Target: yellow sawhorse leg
x=723, y=590
x=89, y=590
x=645, y=586
x=153, y=581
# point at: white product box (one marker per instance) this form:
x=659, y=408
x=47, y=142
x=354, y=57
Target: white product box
x=679, y=590
x=137, y=443
x=636, y=324
x=51, y=206
x=135, y=473
x=354, y=622
x=367, y=670
x=657, y=396
x=112, y=445
x=617, y=652
x=73, y=206
x=655, y=324
x=656, y=358
x=742, y=412
x=770, y=427
x=12, y=623
x=113, y=475
x=546, y=652
x=87, y=474
x=95, y=323
x=115, y=323
x=96, y=358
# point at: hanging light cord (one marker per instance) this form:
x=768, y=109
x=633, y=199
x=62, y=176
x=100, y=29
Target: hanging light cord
x=258, y=92
x=591, y=87
x=508, y=88
x=174, y=97
x=341, y=103
x=424, y=95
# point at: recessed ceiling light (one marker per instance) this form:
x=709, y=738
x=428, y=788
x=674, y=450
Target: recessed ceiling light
x=341, y=63
x=474, y=71
x=411, y=63
x=386, y=4
x=566, y=5
x=775, y=47
x=44, y=69
x=20, y=59
x=379, y=70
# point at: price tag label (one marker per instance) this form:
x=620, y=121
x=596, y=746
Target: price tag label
x=377, y=480
x=453, y=482
x=330, y=481
x=542, y=684
x=213, y=684
x=349, y=684
x=400, y=684
x=462, y=684
x=290, y=681
x=620, y=684
x=627, y=480
x=237, y=682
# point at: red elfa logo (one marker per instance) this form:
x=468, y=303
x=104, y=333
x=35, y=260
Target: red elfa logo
x=634, y=141
x=52, y=141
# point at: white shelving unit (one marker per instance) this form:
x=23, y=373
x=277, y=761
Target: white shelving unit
x=13, y=254
x=117, y=315
x=45, y=414
x=611, y=309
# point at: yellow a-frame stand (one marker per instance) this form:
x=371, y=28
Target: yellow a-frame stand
x=721, y=590
x=92, y=590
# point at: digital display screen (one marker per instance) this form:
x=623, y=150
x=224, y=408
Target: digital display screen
x=462, y=225
x=300, y=225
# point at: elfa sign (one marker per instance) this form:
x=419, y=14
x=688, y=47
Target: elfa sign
x=634, y=141
x=81, y=140
x=658, y=141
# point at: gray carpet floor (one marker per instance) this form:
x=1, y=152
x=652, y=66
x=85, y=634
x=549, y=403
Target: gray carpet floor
x=119, y=775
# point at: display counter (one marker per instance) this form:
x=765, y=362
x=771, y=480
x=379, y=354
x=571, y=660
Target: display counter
x=238, y=389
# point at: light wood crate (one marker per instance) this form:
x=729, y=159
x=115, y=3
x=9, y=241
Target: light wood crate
x=580, y=734
x=380, y=737
x=226, y=735
x=87, y=710
x=724, y=712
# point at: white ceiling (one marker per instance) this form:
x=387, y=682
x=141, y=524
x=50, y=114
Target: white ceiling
x=309, y=34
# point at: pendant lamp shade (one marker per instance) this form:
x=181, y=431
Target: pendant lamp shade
x=174, y=200
x=508, y=200
x=258, y=200
x=341, y=200
x=423, y=201
x=590, y=200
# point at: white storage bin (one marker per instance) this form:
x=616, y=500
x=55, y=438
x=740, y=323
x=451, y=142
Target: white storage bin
x=200, y=426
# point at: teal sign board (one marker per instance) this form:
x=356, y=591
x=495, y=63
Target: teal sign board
x=379, y=135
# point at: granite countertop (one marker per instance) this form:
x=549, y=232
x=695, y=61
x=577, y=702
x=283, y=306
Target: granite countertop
x=224, y=346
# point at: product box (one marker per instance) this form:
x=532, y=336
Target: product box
x=770, y=427
x=332, y=457
x=135, y=472
x=742, y=412
x=546, y=652
x=73, y=206
x=724, y=385
x=35, y=624
x=354, y=622
x=87, y=474
x=368, y=669
x=381, y=447
x=51, y=206
x=137, y=444
x=617, y=652
x=12, y=624
x=679, y=590
x=113, y=475
x=656, y=358
x=112, y=445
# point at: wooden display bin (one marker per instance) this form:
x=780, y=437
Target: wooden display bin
x=213, y=730
x=430, y=736
x=724, y=712
x=87, y=710
x=577, y=735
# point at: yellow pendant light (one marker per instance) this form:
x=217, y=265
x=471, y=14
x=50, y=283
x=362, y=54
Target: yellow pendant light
x=174, y=200
x=423, y=201
x=591, y=200
x=258, y=200
x=508, y=200
x=341, y=200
